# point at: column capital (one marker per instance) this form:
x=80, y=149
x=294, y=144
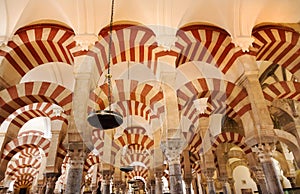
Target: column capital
x=172, y=149
x=209, y=172
x=77, y=157
x=244, y=42
x=264, y=151
x=84, y=41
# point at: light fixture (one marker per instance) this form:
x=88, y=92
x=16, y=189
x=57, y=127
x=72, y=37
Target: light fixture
x=126, y=169
x=107, y=119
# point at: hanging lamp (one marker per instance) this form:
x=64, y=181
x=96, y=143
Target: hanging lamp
x=107, y=119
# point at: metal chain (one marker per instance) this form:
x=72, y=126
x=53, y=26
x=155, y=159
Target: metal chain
x=109, y=54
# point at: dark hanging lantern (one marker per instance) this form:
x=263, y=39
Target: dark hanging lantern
x=107, y=119
x=126, y=169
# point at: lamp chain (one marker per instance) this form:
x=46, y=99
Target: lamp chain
x=109, y=75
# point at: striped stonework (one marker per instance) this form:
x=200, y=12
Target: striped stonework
x=23, y=94
x=91, y=160
x=20, y=143
x=129, y=139
x=138, y=171
x=207, y=44
x=135, y=153
x=278, y=44
x=145, y=93
x=230, y=137
x=18, y=175
x=13, y=166
x=30, y=152
x=282, y=90
x=195, y=144
x=36, y=45
x=24, y=181
x=223, y=97
x=129, y=43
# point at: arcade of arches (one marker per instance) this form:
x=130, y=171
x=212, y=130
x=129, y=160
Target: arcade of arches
x=208, y=91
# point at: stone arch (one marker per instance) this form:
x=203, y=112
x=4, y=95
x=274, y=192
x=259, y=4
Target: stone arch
x=279, y=44
x=42, y=42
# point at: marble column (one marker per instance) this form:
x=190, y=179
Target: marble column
x=51, y=179
x=41, y=188
x=172, y=149
x=204, y=186
x=117, y=187
x=107, y=175
x=188, y=182
x=187, y=175
x=271, y=176
x=231, y=185
x=74, y=176
x=224, y=183
x=260, y=179
x=158, y=182
x=152, y=186
x=209, y=173
x=194, y=184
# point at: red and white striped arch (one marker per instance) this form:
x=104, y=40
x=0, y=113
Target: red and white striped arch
x=195, y=144
x=146, y=93
x=208, y=44
x=129, y=139
x=24, y=114
x=283, y=89
x=61, y=153
x=136, y=130
x=221, y=94
x=138, y=171
x=20, y=143
x=278, y=44
x=13, y=166
x=35, y=45
x=24, y=181
x=134, y=153
x=195, y=162
x=230, y=137
x=129, y=43
x=15, y=97
x=30, y=151
x=25, y=170
x=91, y=160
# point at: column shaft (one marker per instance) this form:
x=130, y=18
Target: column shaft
x=74, y=177
x=51, y=179
x=158, y=183
x=175, y=178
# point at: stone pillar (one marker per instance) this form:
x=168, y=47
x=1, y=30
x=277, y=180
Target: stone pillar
x=260, y=179
x=152, y=186
x=209, y=173
x=188, y=182
x=172, y=149
x=272, y=179
x=41, y=187
x=158, y=181
x=107, y=175
x=231, y=184
x=194, y=184
x=51, y=179
x=74, y=176
x=224, y=184
x=187, y=176
x=117, y=187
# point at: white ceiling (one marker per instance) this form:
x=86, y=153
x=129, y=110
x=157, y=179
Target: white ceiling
x=238, y=17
